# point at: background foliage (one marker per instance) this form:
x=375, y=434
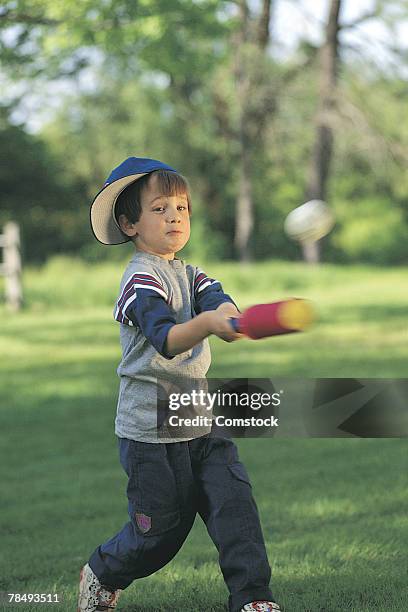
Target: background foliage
x=158, y=79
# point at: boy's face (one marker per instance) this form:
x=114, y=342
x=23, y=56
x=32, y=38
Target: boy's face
x=164, y=225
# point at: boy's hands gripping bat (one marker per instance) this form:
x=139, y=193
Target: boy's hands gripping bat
x=273, y=319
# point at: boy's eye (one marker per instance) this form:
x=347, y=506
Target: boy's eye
x=161, y=208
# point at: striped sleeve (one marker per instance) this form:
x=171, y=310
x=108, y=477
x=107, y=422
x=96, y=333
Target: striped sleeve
x=144, y=303
x=138, y=280
x=208, y=293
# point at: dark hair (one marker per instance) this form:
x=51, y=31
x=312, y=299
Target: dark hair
x=128, y=202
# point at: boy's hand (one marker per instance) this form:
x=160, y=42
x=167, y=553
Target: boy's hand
x=220, y=324
x=229, y=309
x=183, y=336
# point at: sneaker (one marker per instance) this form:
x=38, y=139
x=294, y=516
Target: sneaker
x=261, y=606
x=93, y=595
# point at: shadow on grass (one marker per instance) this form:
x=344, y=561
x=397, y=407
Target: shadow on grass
x=333, y=590
x=323, y=563
x=325, y=589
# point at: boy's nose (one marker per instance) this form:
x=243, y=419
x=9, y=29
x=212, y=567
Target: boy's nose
x=174, y=216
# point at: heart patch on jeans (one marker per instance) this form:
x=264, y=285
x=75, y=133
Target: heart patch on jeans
x=144, y=522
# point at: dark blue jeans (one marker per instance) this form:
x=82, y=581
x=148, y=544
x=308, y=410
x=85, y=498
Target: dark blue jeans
x=168, y=484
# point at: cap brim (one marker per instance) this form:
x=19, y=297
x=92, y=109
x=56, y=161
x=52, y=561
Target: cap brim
x=103, y=222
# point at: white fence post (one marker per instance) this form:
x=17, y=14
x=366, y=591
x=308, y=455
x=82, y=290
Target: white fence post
x=11, y=268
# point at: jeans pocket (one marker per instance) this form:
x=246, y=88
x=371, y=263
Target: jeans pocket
x=152, y=490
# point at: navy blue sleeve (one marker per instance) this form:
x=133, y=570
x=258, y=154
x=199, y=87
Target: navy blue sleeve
x=208, y=293
x=150, y=312
x=144, y=303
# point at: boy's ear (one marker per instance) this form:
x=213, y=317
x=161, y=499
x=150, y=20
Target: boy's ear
x=127, y=226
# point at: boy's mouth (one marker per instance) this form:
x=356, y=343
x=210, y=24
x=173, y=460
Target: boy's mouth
x=175, y=232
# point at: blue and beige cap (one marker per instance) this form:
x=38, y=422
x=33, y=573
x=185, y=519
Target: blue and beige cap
x=103, y=221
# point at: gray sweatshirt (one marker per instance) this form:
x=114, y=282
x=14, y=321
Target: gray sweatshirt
x=156, y=293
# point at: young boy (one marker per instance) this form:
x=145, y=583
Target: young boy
x=167, y=310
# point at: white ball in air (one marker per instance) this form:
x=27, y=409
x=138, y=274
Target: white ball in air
x=309, y=222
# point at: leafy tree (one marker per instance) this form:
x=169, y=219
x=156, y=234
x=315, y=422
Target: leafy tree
x=196, y=84
x=184, y=40
x=35, y=193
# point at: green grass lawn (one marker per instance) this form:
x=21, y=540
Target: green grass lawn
x=333, y=510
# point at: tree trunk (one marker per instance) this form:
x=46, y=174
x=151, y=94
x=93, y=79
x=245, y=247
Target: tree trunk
x=319, y=169
x=244, y=203
x=244, y=222
x=251, y=38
